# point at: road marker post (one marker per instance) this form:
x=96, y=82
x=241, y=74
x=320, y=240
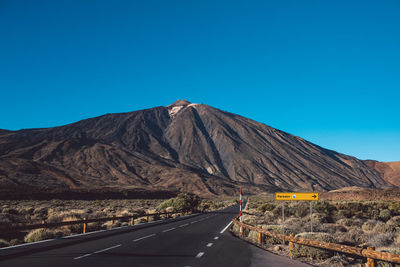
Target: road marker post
x=259, y=238
x=291, y=246
x=84, y=225
x=113, y=219
x=132, y=221
x=370, y=261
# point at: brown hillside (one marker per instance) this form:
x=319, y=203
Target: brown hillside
x=187, y=147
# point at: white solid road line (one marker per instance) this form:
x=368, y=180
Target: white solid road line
x=193, y=222
x=209, y=245
x=147, y=236
x=99, y=251
x=226, y=227
x=200, y=254
x=216, y=238
x=183, y=225
x=173, y=228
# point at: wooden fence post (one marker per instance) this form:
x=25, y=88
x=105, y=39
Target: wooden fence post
x=291, y=246
x=370, y=261
x=147, y=218
x=113, y=219
x=84, y=225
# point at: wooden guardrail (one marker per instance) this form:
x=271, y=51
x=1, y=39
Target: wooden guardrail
x=368, y=253
x=84, y=222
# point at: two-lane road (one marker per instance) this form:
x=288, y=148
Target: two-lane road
x=200, y=240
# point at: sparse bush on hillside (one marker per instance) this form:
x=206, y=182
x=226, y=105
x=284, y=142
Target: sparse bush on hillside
x=41, y=234
x=266, y=207
x=315, y=253
x=4, y=243
x=385, y=215
x=381, y=240
x=182, y=202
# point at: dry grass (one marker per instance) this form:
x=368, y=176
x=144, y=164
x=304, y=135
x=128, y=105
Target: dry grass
x=354, y=223
x=34, y=211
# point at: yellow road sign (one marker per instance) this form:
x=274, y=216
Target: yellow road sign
x=296, y=196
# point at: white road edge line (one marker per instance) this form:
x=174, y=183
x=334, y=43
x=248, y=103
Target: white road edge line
x=200, y=254
x=99, y=251
x=216, y=238
x=193, y=222
x=183, y=225
x=173, y=228
x=209, y=245
x=147, y=236
x=226, y=227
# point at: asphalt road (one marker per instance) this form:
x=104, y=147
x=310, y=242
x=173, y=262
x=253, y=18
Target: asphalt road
x=197, y=240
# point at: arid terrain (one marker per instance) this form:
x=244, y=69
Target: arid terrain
x=181, y=147
x=359, y=223
x=25, y=212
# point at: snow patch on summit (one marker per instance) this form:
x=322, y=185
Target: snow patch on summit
x=172, y=112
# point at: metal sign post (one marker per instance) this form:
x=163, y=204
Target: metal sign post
x=283, y=221
x=240, y=204
x=311, y=216
x=293, y=196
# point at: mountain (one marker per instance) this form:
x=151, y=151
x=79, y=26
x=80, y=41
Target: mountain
x=389, y=171
x=183, y=146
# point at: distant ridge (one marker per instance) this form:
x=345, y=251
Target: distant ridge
x=183, y=146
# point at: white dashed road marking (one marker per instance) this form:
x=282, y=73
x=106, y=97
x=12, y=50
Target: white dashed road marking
x=173, y=228
x=216, y=238
x=209, y=245
x=99, y=251
x=147, y=236
x=200, y=254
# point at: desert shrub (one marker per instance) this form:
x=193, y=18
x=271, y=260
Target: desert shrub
x=381, y=240
x=266, y=207
x=324, y=207
x=4, y=220
x=345, y=222
x=319, y=218
x=181, y=202
x=302, y=210
x=394, y=208
x=41, y=234
x=393, y=223
x=4, y=243
x=15, y=241
x=354, y=236
x=276, y=229
x=385, y=215
x=331, y=228
x=315, y=253
x=381, y=227
x=369, y=225
x=296, y=225
x=253, y=236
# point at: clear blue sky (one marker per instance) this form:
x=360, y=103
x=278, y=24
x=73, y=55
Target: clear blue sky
x=328, y=71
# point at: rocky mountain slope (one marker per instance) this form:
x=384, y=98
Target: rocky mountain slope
x=183, y=146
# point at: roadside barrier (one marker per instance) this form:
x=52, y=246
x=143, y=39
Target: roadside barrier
x=84, y=222
x=368, y=253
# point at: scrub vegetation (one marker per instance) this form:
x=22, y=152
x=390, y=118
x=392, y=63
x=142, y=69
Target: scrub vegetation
x=353, y=223
x=34, y=211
